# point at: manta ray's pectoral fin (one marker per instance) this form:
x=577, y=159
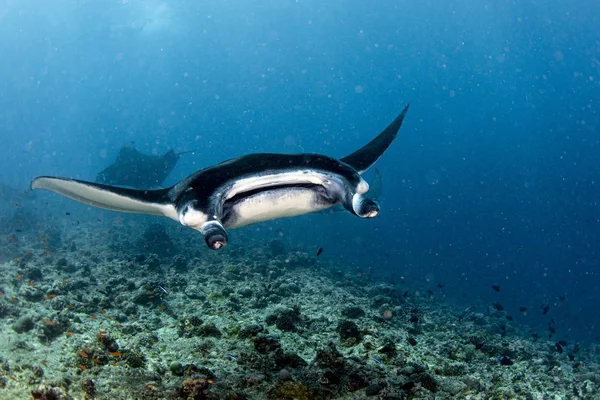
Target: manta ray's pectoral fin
x=360, y=205
x=362, y=159
x=155, y=202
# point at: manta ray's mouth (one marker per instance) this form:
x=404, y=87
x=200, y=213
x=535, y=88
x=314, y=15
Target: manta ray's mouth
x=244, y=195
x=231, y=203
x=271, y=202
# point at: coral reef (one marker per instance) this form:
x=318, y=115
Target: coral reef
x=167, y=319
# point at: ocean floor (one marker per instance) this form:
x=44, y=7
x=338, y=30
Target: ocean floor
x=127, y=311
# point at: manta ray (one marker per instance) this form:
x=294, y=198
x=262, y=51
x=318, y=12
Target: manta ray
x=245, y=190
x=138, y=170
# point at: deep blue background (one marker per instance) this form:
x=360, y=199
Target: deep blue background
x=493, y=180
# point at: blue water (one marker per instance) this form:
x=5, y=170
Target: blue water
x=494, y=177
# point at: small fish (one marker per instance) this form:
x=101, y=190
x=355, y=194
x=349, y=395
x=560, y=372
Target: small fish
x=116, y=353
x=559, y=348
x=545, y=309
x=523, y=309
x=509, y=318
x=319, y=251
x=50, y=296
x=562, y=298
x=496, y=288
x=83, y=367
x=84, y=354
x=163, y=289
x=67, y=213
x=506, y=361
x=377, y=360
x=44, y=363
x=498, y=306
x=440, y=285
x=232, y=357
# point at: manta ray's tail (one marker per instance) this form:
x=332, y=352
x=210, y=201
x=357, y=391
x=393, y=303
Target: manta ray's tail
x=155, y=202
x=185, y=152
x=376, y=186
x=362, y=159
